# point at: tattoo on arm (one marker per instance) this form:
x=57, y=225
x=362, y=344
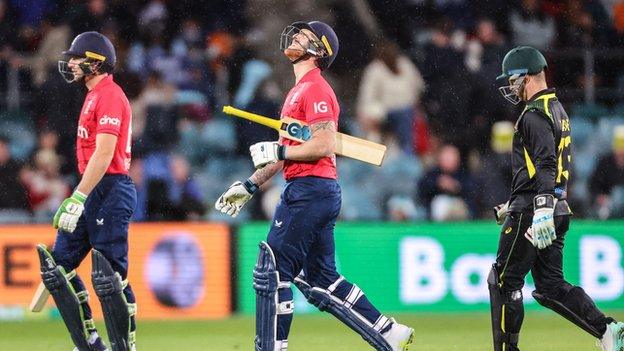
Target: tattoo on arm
x=327, y=125
x=265, y=173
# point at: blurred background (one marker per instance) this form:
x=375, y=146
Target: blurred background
x=416, y=75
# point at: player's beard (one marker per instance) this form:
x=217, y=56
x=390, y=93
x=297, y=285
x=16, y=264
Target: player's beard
x=293, y=53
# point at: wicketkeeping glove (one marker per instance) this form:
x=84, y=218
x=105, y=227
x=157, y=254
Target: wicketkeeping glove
x=500, y=212
x=266, y=152
x=66, y=217
x=542, y=231
x=235, y=197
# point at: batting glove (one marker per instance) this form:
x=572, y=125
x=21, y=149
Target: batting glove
x=235, y=197
x=500, y=212
x=542, y=231
x=266, y=152
x=66, y=217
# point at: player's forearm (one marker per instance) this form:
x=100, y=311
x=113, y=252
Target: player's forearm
x=265, y=173
x=95, y=170
x=322, y=144
x=546, y=173
x=312, y=150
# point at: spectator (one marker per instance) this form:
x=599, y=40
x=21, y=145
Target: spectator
x=448, y=191
x=494, y=176
x=46, y=189
x=185, y=194
x=447, y=98
x=176, y=196
x=390, y=89
x=531, y=26
x=136, y=173
x=609, y=174
x=220, y=47
x=155, y=93
x=13, y=192
x=584, y=23
x=618, y=19
x=257, y=92
x=484, y=56
x=401, y=209
x=90, y=16
x=486, y=50
x=7, y=27
x=55, y=35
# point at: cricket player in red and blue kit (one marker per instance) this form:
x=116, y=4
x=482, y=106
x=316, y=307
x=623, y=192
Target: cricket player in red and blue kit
x=300, y=245
x=97, y=215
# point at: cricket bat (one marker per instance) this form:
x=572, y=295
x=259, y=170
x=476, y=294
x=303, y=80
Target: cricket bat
x=40, y=298
x=294, y=129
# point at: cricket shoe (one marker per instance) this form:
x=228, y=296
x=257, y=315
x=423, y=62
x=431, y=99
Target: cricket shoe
x=613, y=338
x=96, y=343
x=399, y=337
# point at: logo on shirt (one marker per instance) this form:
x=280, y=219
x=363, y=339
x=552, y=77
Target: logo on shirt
x=113, y=121
x=293, y=100
x=278, y=223
x=82, y=132
x=89, y=103
x=320, y=107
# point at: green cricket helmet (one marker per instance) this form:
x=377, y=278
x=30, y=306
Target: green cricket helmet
x=519, y=62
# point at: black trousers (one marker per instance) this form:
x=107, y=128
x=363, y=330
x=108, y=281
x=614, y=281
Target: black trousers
x=516, y=256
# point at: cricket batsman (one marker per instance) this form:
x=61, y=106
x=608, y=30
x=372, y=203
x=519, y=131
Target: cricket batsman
x=536, y=217
x=97, y=215
x=300, y=245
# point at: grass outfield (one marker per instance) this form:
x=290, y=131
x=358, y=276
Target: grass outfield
x=543, y=331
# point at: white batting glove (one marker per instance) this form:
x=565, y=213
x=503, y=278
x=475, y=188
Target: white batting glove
x=235, y=197
x=266, y=152
x=67, y=215
x=542, y=231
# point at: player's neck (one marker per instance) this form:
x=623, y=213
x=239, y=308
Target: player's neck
x=92, y=81
x=303, y=67
x=534, y=89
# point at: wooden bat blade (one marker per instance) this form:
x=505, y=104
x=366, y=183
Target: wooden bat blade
x=346, y=145
x=360, y=149
x=40, y=298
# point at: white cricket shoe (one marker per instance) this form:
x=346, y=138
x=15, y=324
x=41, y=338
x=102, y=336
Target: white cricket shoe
x=399, y=336
x=613, y=338
x=281, y=345
x=96, y=343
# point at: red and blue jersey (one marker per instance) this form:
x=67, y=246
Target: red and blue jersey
x=106, y=110
x=311, y=100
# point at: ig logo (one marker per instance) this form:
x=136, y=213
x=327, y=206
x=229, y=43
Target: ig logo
x=298, y=131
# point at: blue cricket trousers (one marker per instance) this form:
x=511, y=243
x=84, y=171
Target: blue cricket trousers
x=102, y=226
x=302, y=231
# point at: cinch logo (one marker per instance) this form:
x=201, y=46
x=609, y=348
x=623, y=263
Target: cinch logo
x=82, y=132
x=114, y=121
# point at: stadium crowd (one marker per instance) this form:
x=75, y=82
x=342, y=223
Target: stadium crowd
x=417, y=75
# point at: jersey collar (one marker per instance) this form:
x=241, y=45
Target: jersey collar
x=108, y=80
x=541, y=93
x=310, y=76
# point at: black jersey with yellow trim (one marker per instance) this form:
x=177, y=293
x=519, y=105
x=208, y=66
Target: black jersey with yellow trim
x=541, y=156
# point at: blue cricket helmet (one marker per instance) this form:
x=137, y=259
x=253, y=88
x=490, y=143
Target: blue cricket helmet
x=328, y=41
x=94, y=46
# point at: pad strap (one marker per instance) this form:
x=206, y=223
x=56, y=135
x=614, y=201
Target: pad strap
x=324, y=301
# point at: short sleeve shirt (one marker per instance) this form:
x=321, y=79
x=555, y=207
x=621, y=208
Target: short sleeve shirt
x=105, y=110
x=311, y=100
